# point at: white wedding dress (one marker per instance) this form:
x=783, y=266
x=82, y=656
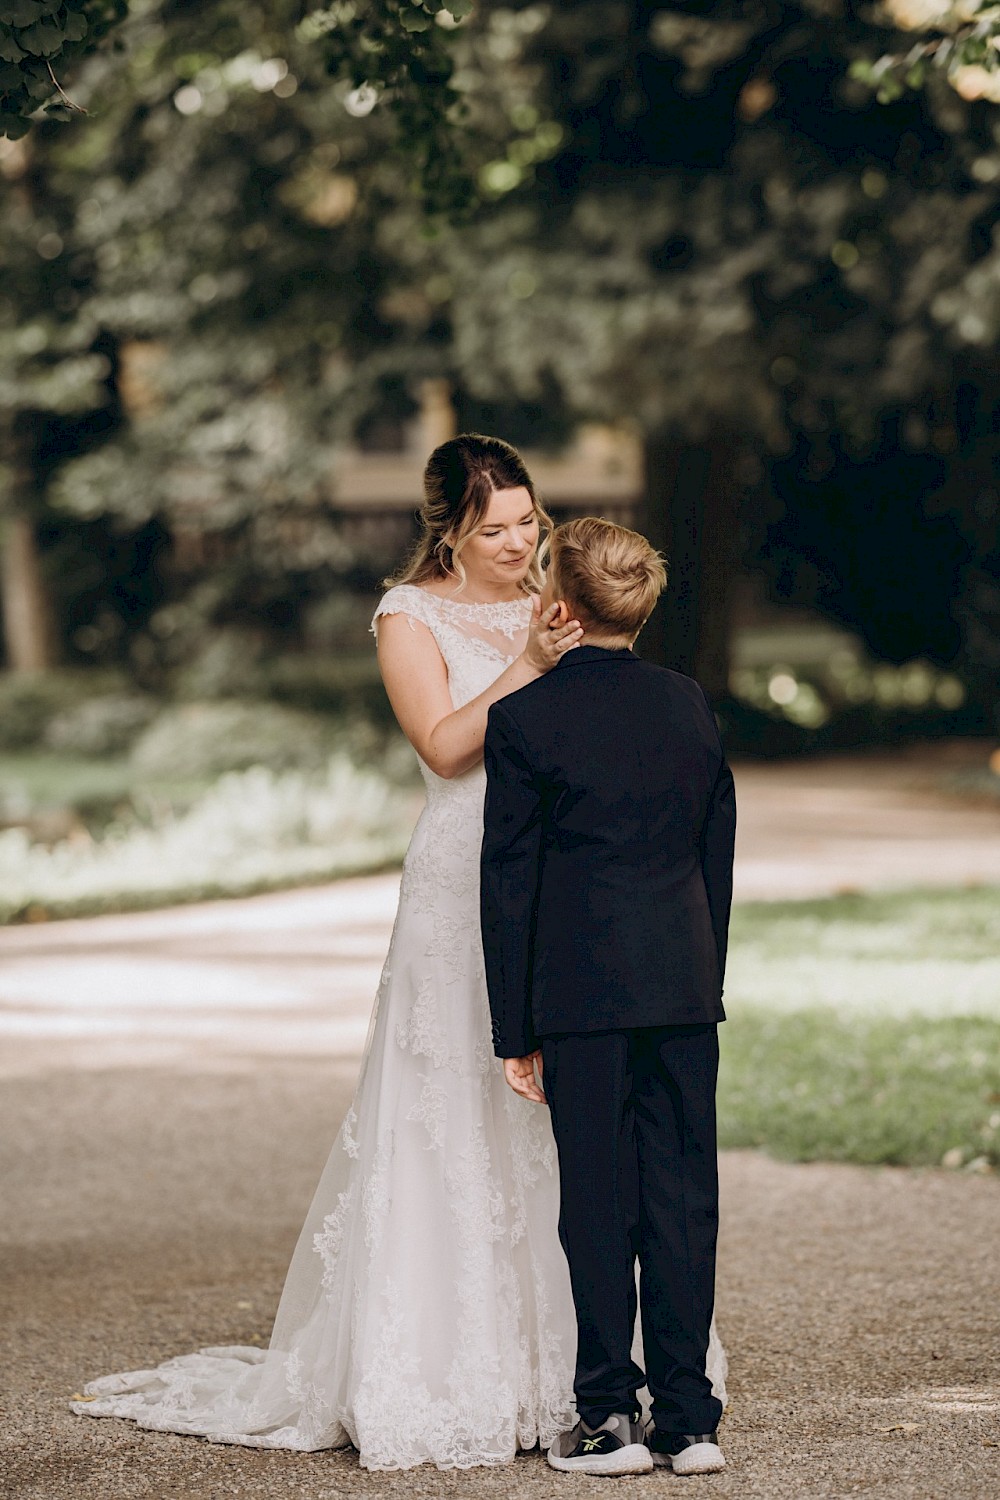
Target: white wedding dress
x=427, y=1315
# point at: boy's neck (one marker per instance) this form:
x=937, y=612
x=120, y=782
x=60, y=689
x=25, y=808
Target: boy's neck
x=594, y=636
x=607, y=642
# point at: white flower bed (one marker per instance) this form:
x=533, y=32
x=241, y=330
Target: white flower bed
x=251, y=830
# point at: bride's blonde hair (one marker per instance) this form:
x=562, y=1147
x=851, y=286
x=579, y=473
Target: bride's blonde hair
x=459, y=479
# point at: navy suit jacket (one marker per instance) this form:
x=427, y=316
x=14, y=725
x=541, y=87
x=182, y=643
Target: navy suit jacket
x=607, y=860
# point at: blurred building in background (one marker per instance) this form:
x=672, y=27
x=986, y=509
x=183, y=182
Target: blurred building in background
x=376, y=493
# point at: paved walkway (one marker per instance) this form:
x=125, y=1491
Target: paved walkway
x=172, y=1082
x=813, y=828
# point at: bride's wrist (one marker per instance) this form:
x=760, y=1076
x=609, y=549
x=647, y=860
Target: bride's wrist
x=532, y=667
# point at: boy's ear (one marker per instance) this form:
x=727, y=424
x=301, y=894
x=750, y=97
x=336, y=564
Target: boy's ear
x=562, y=614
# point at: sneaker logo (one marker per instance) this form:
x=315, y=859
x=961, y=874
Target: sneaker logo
x=589, y=1444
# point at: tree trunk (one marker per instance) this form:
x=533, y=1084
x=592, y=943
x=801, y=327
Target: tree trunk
x=29, y=637
x=691, y=513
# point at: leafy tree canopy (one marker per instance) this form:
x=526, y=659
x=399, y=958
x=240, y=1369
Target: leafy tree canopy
x=392, y=51
x=223, y=222
x=733, y=245
x=401, y=54
x=197, y=292
x=959, y=40
x=39, y=41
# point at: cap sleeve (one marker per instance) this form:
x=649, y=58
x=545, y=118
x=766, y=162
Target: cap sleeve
x=405, y=599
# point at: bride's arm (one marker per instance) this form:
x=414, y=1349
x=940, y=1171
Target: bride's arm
x=447, y=739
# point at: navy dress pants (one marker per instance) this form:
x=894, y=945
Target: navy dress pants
x=633, y=1114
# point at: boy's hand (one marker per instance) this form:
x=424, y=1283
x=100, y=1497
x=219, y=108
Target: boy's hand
x=520, y=1074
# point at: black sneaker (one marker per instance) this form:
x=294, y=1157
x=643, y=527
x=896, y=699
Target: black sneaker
x=617, y=1446
x=685, y=1452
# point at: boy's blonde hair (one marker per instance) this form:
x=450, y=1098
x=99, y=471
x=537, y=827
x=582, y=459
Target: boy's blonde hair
x=610, y=576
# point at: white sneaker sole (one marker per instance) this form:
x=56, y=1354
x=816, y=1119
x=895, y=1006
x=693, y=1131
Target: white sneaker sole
x=700, y=1458
x=633, y=1459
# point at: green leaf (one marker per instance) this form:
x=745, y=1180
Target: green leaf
x=9, y=50
x=75, y=26
x=21, y=12
x=13, y=126
x=43, y=39
x=37, y=83
x=416, y=20
x=460, y=8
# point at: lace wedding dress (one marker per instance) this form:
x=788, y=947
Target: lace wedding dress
x=427, y=1315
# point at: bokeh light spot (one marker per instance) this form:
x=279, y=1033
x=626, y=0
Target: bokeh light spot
x=188, y=100
x=500, y=176
x=844, y=255
x=361, y=101
x=522, y=284
x=782, y=688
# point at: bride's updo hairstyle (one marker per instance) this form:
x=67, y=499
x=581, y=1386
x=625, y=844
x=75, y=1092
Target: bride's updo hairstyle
x=610, y=576
x=459, y=479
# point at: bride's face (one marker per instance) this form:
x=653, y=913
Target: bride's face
x=500, y=551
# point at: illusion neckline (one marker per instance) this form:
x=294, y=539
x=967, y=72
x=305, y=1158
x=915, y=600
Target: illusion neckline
x=474, y=603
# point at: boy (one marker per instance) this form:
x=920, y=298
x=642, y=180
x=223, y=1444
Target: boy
x=606, y=888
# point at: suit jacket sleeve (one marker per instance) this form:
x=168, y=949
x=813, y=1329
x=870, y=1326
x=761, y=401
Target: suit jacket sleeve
x=510, y=869
x=718, y=840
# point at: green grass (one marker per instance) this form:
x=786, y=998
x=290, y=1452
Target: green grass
x=49, y=780
x=865, y=1028
x=812, y=1087
x=44, y=779
x=954, y=922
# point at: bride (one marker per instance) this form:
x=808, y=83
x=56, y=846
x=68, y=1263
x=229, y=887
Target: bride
x=427, y=1314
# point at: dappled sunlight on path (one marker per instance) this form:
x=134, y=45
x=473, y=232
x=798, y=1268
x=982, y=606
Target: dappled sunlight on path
x=817, y=828
x=287, y=974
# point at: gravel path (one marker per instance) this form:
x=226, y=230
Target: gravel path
x=147, y=1212
x=170, y=1084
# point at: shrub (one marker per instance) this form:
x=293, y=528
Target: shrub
x=342, y=684
x=202, y=740
x=226, y=666
x=252, y=830
x=28, y=704
x=105, y=725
